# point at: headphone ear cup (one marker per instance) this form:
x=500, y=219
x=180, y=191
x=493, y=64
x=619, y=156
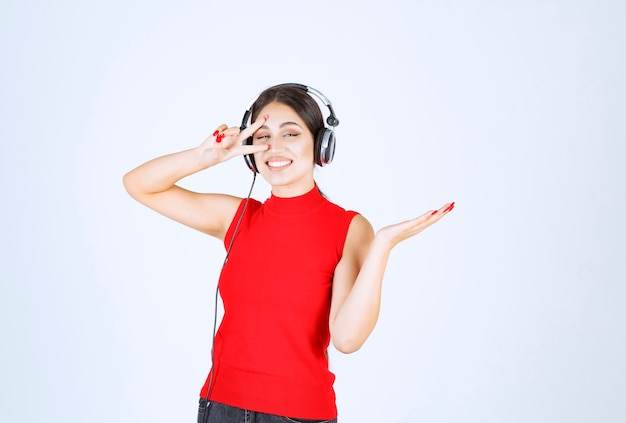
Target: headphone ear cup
x=324, y=147
x=249, y=158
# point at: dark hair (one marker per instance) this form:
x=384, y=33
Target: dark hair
x=296, y=98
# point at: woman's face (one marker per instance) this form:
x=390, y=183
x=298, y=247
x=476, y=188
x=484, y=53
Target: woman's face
x=289, y=163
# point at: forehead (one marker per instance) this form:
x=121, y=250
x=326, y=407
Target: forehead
x=280, y=111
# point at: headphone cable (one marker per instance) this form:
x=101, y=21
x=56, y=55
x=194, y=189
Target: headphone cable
x=217, y=288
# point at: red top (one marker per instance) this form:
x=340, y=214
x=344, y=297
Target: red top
x=270, y=349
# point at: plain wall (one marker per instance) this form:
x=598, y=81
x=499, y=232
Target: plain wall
x=510, y=309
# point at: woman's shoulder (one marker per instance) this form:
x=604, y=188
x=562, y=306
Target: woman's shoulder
x=360, y=227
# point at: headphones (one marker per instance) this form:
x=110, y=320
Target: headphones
x=324, y=144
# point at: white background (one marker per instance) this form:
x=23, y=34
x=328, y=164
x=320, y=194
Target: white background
x=512, y=309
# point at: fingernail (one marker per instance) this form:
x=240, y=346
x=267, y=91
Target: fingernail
x=219, y=137
x=434, y=212
x=215, y=133
x=266, y=117
x=450, y=207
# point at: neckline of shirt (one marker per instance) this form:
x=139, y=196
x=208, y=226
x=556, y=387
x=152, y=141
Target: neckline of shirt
x=297, y=205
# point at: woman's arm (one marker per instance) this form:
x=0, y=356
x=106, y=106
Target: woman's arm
x=357, y=284
x=154, y=183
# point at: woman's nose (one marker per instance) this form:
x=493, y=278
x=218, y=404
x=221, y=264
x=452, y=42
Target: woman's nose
x=275, y=143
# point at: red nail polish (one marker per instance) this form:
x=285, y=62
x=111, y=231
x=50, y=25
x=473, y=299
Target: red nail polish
x=215, y=133
x=219, y=138
x=450, y=207
x=434, y=212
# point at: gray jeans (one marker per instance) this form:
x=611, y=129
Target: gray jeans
x=214, y=412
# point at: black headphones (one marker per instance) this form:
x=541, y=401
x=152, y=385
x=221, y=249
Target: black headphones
x=324, y=146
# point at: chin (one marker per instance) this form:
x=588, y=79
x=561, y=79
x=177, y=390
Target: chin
x=283, y=182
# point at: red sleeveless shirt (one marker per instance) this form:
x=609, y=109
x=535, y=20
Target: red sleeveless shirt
x=270, y=349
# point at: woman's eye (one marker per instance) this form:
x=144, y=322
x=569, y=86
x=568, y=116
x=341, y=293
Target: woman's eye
x=291, y=134
x=262, y=137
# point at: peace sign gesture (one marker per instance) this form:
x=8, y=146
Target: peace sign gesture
x=226, y=143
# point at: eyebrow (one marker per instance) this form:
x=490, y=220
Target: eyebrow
x=282, y=125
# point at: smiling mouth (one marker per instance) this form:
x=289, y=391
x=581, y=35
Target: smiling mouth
x=278, y=163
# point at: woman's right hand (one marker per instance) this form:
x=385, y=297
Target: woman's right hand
x=226, y=143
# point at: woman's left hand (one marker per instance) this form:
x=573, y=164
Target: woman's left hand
x=394, y=234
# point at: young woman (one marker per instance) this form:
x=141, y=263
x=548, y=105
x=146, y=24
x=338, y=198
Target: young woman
x=300, y=270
